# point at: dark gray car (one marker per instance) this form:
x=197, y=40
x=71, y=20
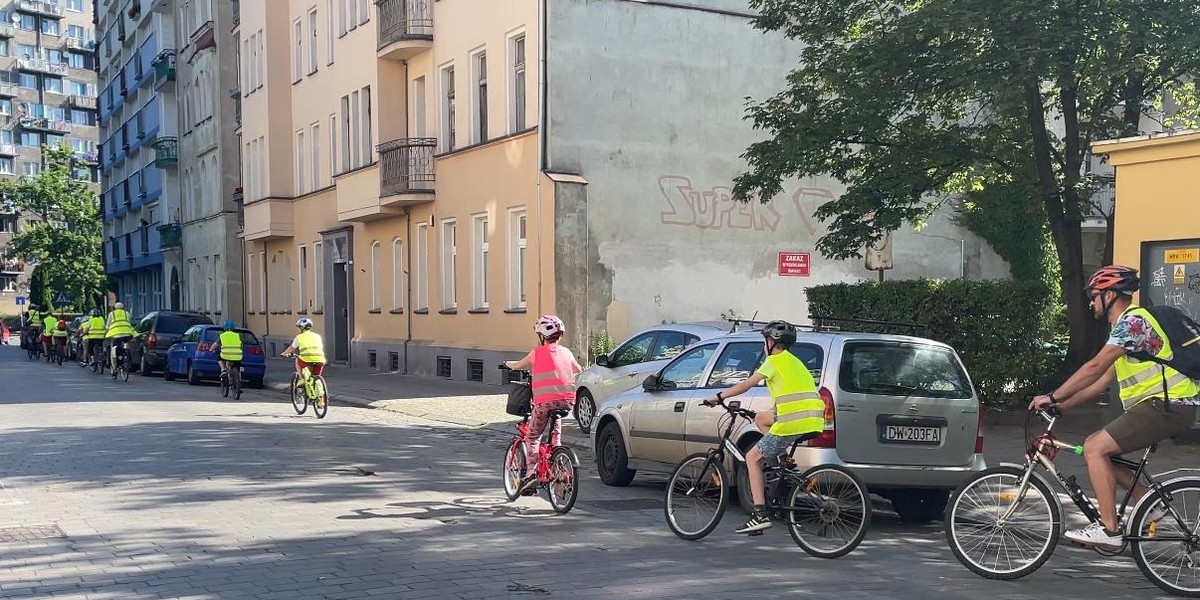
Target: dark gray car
x=156, y=332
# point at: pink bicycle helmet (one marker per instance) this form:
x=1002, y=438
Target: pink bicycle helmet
x=549, y=325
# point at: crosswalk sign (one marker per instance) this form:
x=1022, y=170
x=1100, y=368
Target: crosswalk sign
x=60, y=298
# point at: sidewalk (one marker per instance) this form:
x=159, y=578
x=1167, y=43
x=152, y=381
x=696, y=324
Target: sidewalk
x=481, y=406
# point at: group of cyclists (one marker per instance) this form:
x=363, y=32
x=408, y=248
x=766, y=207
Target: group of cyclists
x=47, y=334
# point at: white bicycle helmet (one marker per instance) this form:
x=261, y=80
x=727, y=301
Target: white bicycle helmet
x=304, y=323
x=549, y=325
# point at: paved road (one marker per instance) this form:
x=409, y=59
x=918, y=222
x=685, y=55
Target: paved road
x=151, y=489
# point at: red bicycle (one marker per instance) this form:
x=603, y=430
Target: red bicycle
x=557, y=469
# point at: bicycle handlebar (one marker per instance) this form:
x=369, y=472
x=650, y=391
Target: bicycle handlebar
x=739, y=411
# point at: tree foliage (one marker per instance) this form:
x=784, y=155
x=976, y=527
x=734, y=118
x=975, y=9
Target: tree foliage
x=65, y=236
x=913, y=102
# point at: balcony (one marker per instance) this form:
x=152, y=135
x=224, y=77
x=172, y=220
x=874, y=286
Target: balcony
x=81, y=45
x=166, y=151
x=8, y=89
x=164, y=69
x=406, y=173
x=161, y=6
x=90, y=157
x=40, y=65
x=45, y=9
x=237, y=13
x=7, y=30
x=45, y=124
x=12, y=267
x=8, y=149
x=87, y=102
x=405, y=28
x=268, y=219
x=170, y=235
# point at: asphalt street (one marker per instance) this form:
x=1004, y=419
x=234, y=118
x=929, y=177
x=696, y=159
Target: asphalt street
x=150, y=489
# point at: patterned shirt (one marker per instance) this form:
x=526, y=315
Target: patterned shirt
x=1134, y=334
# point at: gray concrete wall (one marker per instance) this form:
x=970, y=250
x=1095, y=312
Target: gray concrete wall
x=646, y=103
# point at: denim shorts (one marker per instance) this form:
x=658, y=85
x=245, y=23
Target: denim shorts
x=774, y=445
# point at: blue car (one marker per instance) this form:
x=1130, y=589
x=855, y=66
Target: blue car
x=193, y=357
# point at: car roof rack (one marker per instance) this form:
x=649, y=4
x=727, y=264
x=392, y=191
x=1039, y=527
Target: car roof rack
x=912, y=328
x=760, y=324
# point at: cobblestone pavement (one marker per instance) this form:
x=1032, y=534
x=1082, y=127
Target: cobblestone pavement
x=150, y=489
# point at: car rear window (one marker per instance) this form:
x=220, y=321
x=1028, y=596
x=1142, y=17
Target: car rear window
x=211, y=335
x=902, y=369
x=169, y=323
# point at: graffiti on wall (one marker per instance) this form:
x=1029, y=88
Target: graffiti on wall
x=715, y=208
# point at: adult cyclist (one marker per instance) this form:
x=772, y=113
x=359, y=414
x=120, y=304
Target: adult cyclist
x=117, y=330
x=1148, y=418
x=229, y=347
x=94, y=337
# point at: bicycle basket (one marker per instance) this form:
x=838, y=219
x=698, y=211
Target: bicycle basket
x=520, y=399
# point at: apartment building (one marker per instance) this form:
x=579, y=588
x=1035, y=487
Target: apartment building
x=139, y=152
x=419, y=183
x=47, y=96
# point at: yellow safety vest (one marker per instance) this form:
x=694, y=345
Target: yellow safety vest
x=231, y=345
x=310, y=347
x=34, y=318
x=798, y=407
x=64, y=332
x=118, y=324
x=1143, y=379
x=95, y=328
x=49, y=322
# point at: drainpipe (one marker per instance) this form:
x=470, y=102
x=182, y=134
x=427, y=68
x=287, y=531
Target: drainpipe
x=543, y=120
x=408, y=282
x=266, y=291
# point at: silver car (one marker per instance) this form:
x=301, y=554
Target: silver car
x=626, y=366
x=901, y=412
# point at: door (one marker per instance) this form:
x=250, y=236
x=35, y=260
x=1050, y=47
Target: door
x=659, y=417
x=177, y=354
x=904, y=403
x=619, y=373
x=175, y=301
x=339, y=321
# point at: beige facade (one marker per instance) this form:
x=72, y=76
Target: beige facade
x=406, y=244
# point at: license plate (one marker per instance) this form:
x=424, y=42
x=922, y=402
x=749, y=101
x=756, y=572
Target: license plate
x=905, y=434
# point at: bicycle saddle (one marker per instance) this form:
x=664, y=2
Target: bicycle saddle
x=560, y=413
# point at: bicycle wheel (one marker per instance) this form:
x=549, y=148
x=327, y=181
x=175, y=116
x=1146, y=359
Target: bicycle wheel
x=320, y=398
x=697, y=495
x=514, y=469
x=237, y=383
x=299, y=396
x=124, y=371
x=1172, y=559
x=224, y=385
x=993, y=546
x=564, y=480
x=828, y=517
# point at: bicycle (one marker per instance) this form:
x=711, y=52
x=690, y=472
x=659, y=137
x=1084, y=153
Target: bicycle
x=35, y=346
x=121, y=369
x=231, y=380
x=309, y=389
x=58, y=350
x=816, y=504
x=1012, y=507
x=557, y=470
x=96, y=358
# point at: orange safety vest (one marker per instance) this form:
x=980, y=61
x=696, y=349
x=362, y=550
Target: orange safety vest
x=553, y=378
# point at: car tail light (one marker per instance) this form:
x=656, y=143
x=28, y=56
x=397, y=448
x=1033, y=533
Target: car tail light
x=204, y=347
x=979, y=433
x=255, y=350
x=828, y=437
x=151, y=341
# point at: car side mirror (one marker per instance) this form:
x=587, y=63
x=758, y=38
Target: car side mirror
x=602, y=360
x=650, y=384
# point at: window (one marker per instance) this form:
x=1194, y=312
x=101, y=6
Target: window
x=28, y=81
x=355, y=134
x=342, y=16
x=250, y=282
x=75, y=5
x=30, y=139
x=421, y=269
x=448, y=109
x=375, y=284
x=5, y=107
x=301, y=159
x=259, y=58
x=333, y=154
x=685, y=372
x=632, y=352
x=50, y=27
x=79, y=88
x=669, y=344
x=6, y=166
x=418, y=106
x=53, y=84
x=81, y=117
x=297, y=50
x=516, y=258
x=260, y=271
x=76, y=61
x=55, y=57
x=449, y=263
x=397, y=275
x=318, y=283
x=902, y=369
x=346, y=134
x=76, y=32
x=3, y=47
x=27, y=22
x=364, y=11
x=479, y=98
x=329, y=30
x=364, y=136
x=314, y=138
x=31, y=168
x=312, y=44
x=479, y=260
x=302, y=275
x=517, y=83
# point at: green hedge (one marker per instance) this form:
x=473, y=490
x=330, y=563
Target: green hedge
x=1005, y=331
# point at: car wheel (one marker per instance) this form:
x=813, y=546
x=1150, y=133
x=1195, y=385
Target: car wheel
x=612, y=461
x=192, y=377
x=919, y=506
x=144, y=367
x=585, y=411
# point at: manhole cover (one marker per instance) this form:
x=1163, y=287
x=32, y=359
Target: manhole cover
x=30, y=533
x=627, y=504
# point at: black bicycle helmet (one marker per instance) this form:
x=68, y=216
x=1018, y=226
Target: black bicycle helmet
x=780, y=331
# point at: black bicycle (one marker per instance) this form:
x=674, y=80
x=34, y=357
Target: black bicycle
x=231, y=380
x=826, y=508
x=1004, y=522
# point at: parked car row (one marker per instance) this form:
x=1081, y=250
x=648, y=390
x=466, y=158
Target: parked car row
x=900, y=411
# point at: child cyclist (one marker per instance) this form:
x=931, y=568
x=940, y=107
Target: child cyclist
x=799, y=411
x=553, y=369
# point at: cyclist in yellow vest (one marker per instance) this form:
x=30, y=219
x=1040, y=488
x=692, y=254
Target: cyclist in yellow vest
x=117, y=330
x=799, y=412
x=93, y=335
x=229, y=347
x=62, y=331
x=1148, y=419
x=309, y=347
x=33, y=325
x=49, y=325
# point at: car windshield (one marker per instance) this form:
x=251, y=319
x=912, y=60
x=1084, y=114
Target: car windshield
x=211, y=335
x=902, y=369
x=176, y=323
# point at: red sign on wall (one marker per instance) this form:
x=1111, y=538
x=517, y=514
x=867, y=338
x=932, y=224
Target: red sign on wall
x=793, y=264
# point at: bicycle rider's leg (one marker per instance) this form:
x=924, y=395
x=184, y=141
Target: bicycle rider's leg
x=763, y=421
x=539, y=417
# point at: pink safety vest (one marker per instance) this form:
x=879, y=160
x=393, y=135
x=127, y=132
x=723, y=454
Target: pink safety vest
x=553, y=378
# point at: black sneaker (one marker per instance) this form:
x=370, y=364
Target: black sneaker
x=758, y=522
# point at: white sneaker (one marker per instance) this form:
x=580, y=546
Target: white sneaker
x=1094, y=535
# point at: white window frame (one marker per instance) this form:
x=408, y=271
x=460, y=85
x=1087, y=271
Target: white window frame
x=301, y=158
x=314, y=35
x=262, y=281
x=297, y=50
x=448, y=240
x=518, y=108
x=397, y=275
x=480, y=237
x=375, y=304
x=318, y=298
x=348, y=147
x=314, y=137
x=329, y=35
x=421, y=269
x=446, y=102
x=333, y=146
x=479, y=96
x=250, y=296
x=518, y=255
x=364, y=11
x=342, y=29
x=364, y=136
x=419, y=118
x=302, y=275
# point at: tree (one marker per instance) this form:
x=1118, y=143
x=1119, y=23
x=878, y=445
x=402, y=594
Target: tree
x=913, y=103
x=65, y=236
